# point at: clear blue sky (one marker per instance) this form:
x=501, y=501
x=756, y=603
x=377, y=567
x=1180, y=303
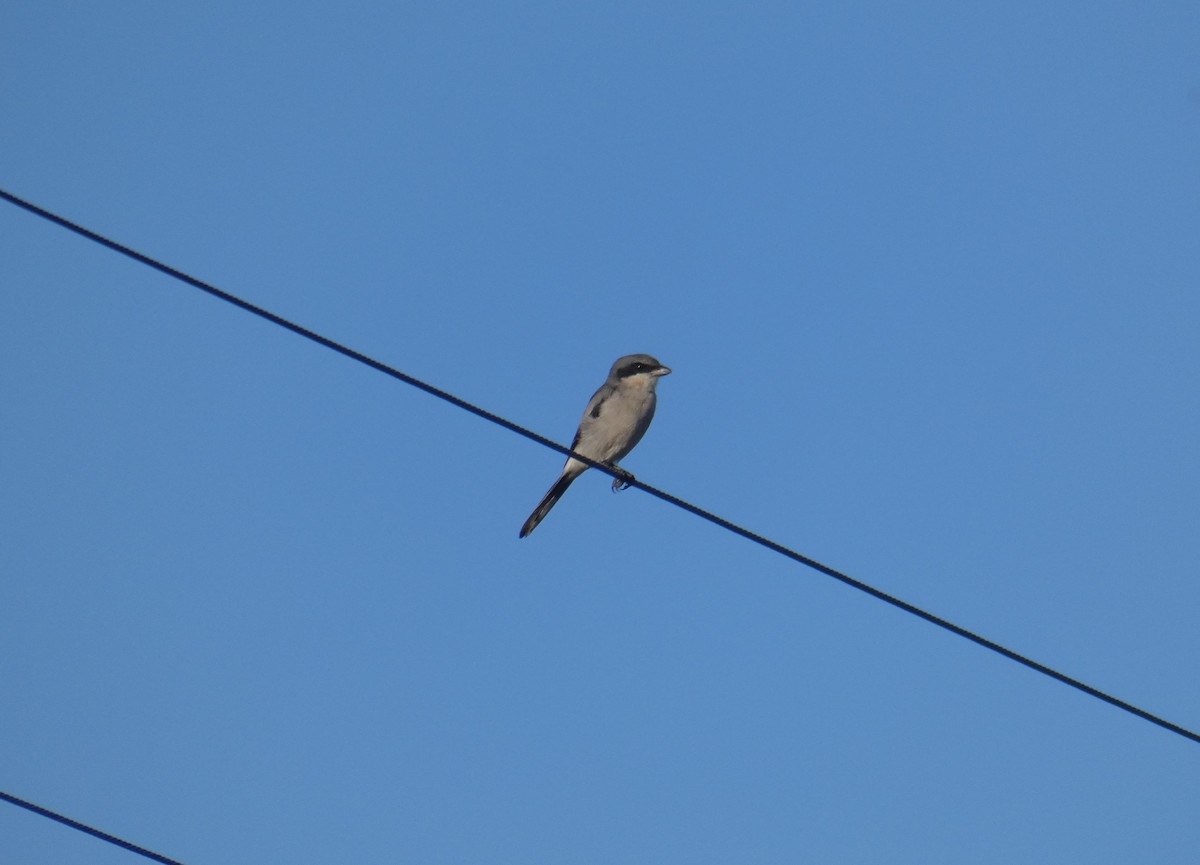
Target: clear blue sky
x=928, y=275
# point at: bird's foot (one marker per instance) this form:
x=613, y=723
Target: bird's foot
x=623, y=479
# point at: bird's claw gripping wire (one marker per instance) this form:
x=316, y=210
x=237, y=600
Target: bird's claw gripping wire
x=623, y=479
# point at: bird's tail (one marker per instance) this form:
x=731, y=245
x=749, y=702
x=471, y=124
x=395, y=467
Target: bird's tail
x=551, y=499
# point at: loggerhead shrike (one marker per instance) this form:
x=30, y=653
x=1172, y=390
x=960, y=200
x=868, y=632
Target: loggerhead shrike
x=615, y=420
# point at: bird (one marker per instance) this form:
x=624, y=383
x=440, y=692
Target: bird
x=616, y=418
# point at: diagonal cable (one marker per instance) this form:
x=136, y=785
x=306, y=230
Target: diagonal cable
x=82, y=827
x=665, y=496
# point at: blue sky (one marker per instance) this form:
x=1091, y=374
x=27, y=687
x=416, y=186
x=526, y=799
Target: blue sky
x=927, y=276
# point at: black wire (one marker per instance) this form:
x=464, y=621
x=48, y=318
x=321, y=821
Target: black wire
x=666, y=497
x=75, y=824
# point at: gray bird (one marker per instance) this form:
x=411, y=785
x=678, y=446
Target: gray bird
x=615, y=420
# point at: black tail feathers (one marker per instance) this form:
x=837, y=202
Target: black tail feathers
x=551, y=499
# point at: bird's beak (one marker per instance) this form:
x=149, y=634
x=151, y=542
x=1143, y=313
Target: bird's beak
x=662, y=370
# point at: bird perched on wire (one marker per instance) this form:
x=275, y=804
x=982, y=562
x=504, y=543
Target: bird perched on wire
x=616, y=418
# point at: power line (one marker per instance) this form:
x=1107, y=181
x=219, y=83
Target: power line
x=665, y=496
x=75, y=824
